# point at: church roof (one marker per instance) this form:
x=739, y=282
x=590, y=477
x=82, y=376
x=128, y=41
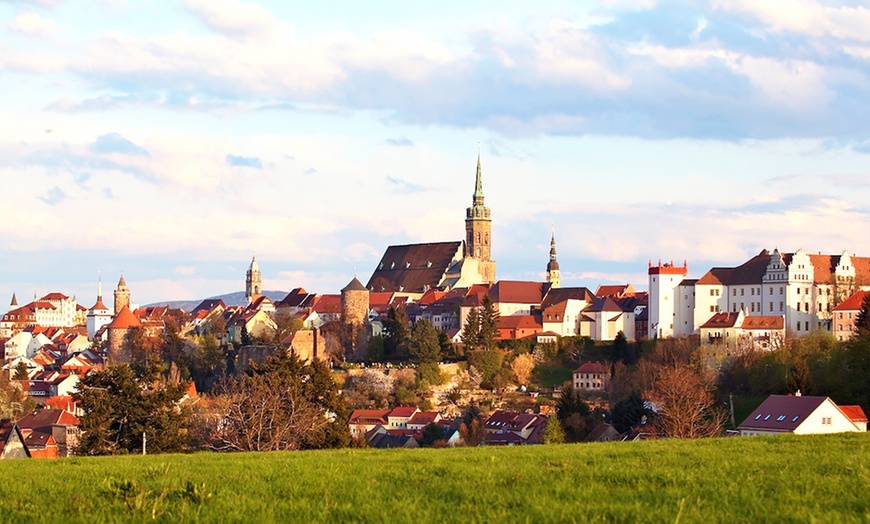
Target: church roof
x=750, y=272
x=519, y=292
x=413, y=268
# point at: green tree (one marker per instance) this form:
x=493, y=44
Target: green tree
x=574, y=415
x=424, y=346
x=432, y=433
x=621, y=349
x=375, y=352
x=207, y=361
x=246, y=337
x=487, y=362
x=446, y=344
x=488, y=323
x=397, y=333
x=629, y=412
x=554, y=434
x=124, y=404
x=471, y=331
x=21, y=371
x=862, y=322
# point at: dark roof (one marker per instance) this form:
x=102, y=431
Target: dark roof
x=782, y=413
x=519, y=292
x=45, y=418
x=556, y=295
x=750, y=272
x=413, y=268
x=592, y=367
x=603, y=304
x=354, y=285
x=208, y=304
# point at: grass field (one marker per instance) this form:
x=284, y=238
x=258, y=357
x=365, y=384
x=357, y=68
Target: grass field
x=760, y=479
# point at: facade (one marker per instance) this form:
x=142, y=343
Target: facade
x=802, y=416
x=591, y=376
x=98, y=315
x=664, y=280
x=802, y=288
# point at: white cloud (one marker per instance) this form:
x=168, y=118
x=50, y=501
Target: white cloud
x=233, y=17
x=185, y=270
x=31, y=23
x=805, y=16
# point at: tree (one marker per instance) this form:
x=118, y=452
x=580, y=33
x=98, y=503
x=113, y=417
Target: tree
x=471, y=331
x=554, y=434
x=621, y=349
x=207, y=361
x=123, y=405
x=472, y=432
x=685, y=405
x=424, y=346
x=21, y=372
x=246, y=337
x=13, y=401
x=282, y=404
x=488, y=323
x=375, y=352
x=432, y=433
x=287, y=325
x=446, y=344
x=862, y=322
x=574, y=415
x=629, y=412
x=397, y=333
x=522, y=367
x=487, y=363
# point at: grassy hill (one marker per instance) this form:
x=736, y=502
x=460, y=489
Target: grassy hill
x=760, y=479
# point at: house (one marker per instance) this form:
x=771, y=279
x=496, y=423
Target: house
x=802, y=415
x=742, y=332
x=11, y=441
x=608, y=315
x=258, y=324
x=603, y=432
x=505, y=428
x=561, y=309
x=326, y=309
x=512, y=297
x=362, y=421
x=421, y=419
x=591, y=376
x=399, y=417
x=50, y=433
x=518, y=326
x=845, y=315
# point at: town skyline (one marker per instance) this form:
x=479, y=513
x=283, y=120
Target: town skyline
x=172, y=152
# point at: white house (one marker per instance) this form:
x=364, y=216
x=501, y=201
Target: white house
x=802, y=416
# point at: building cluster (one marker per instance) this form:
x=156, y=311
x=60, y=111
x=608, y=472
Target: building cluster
x=769, y=297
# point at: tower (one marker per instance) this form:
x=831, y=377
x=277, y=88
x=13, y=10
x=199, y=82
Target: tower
x=354, y=316
x=122, y=296
x=664, y=281
x=99, y=315
x=253, y=282
x=553, y=264
x=478, y=230
x=14, y=303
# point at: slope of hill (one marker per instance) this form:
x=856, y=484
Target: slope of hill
x=750, y=479
x=231, y=299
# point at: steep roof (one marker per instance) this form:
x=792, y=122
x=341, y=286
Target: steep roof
x=721, y=320
x=853, y=303
x=855, y=413
x=518, y=322
x=354, y=285
x=413, y=268
x=615, y=290
x=824, y=266
x=125, y=319
x=556, y=295
x=591, y=367
x=403, y=411
x=750, y=272
x=603, y=304
x=361, y=416
x=782, y=412
x=45, y=418
x=208, y=304
x=328, y=304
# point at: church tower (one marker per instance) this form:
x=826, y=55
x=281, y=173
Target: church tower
x=99, y=315
x=253, y=282
x=478, y=230
x=122, y=296
x=553, y=264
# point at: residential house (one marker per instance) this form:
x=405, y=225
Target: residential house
x=11, y=441
x=591, y=376
x=513, y=428
x=802, y=415
x=50, y=433
x=518, y=326
x=846, y=313
x=421, y=419
x=562, y=308
x=742, y=333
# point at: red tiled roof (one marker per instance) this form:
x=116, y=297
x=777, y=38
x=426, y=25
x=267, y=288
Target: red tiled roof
x=55, y=296
x=824, y=266
x=360, y=416
x=328, y=304
x=518, y=322
x=413, y=268
x=763, y=322
x=853, y=303
x=721, y=320
x=591, y=367
x=615, y=290
x=519, y=292
x=125, y=319
x=424, y=418
x=855, y=413
x=403, y=411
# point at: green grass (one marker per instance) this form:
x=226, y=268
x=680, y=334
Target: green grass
x=759, y=479
x=551, y=374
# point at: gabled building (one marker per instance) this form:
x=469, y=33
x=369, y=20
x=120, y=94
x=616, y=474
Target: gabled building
x=50, y=433
x=802, y=415
x=591, y=376
x=845, y=315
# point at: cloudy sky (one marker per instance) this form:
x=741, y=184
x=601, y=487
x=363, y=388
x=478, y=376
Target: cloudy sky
x=172, y=140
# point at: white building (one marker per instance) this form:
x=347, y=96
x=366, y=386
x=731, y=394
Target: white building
x=664, y=281
x=802, y=416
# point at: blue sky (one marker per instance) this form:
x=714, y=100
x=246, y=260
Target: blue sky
x=171, y=140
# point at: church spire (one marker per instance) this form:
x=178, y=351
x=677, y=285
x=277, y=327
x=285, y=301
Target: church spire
x=553, y=264
x=478, y=182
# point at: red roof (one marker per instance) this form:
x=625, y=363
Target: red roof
x=763, y=322
x=617, y=291
x=518, y=322
x=519, y=292
x=853, y=303
x=591, y=367
x=403, y=411
x=424, y=418
x=362, y=416
x=721, y=320
x=328, y=304
x=55, y=296
x=855, y=413
x=125, y=319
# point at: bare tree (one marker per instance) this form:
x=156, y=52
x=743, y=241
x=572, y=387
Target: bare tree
x=684, y=404
x=522, y=367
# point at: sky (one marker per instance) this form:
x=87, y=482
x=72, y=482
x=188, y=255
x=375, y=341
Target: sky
x=172, y=141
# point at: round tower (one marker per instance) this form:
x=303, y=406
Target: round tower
x=122, y=296
x=253, y=282
x=354, y=303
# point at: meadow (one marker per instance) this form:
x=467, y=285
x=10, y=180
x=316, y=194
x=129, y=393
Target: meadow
x=759, y=479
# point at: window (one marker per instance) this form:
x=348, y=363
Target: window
x=780, y=306
x=798, y=326
x=807, y=307
x=771, y=291
x=753, y=306
x=717, y=292
x=806, y=326
x=780, y=418
x=841, y=315
x=752, y=292
x=741, y=291
x=771, y=306
x=798, y=306
x=766, y=417
x=734, y=292
x=850, y=315
x=780, y=290
x=795, y=418
x=711, y=293
x=758, y=416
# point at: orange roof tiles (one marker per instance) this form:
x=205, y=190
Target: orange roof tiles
x=853, y=303
x=763, y=322
x=721, y=320
x=125, y=319
x=591, y=367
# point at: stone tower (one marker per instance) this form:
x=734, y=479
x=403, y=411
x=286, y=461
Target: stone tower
x=354, y=319
x=478, y=230
x=253, y=282
x=553, y=264
x=122, y=296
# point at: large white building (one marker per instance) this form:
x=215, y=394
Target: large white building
x=800, y=287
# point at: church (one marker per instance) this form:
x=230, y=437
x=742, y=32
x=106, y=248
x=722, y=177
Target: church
x=416, y=268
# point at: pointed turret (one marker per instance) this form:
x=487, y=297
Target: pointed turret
x=14, y=301
x=553, y=264
x=477, y=198
x=253, y=282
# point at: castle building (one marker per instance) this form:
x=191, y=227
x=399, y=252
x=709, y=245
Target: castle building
x=800, y=287
x=415, y=268
x=553, y=265
x=253, y=282
x=98, y=315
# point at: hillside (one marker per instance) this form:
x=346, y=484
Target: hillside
x=230, y=299
x=795, y=479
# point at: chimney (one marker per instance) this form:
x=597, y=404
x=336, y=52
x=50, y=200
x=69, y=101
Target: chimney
x=797, y=393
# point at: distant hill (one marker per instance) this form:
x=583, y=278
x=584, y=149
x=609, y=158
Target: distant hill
x=230, y=299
